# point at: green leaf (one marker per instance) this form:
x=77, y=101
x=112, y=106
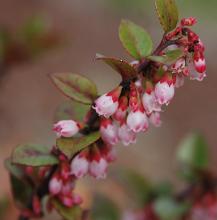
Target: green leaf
x=71, y=110
x=104, y=209
x=74, y=213
x=193, y=152
x=168, y=209
x=19, y=184
x=75, y=86
x=169, y=57
x=125, y=69
x=134, y=184
x=21, y=190
x=33, y=155
x=135, y=39
x=168, y=14
x=71, y=146
x=13, y=169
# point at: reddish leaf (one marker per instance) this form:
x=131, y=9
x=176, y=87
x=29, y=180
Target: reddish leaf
x=125, y=69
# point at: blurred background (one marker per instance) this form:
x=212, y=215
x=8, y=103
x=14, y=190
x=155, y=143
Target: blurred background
x=28, y=99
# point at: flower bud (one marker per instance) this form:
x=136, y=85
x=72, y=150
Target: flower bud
x=199, y=63
x=188, y=21
x=67, y=200
x=126, y=135
x=98, y=165
x=180, y=79
x=79, y=166
x=137, y=121
x=121, y=112
x=68, y=187
x=107, y=104
x=155, y=119
x=55, y=185
x=164, y=92
x=111, y=154
x=109, y=131
x=66, y=128
x=150, y=103
x=36, y=205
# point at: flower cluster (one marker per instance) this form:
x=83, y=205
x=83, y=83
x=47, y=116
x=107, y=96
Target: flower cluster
x=193, y=62
x=205, y=208
x=62, y=183
x=132, y=106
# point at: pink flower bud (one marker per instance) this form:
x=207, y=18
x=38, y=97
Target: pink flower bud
x=164, y=92
x=79, y=166
x=121, y=112
x=180, y=79
x=67, y=187
x=155, y=119
x=188, y=21
x=137, y=121
x=65, y=170
x=55, y=185
x=109, y=131
x=77, y=200
x=36, y=204
x=197, y=76
x=111, y=154
x=199, y=63
x=126, y=135
x=179, y=66
x=67, y=200
x=66, y=128
x=150, y=103
x=98, y=168
x=107, y=104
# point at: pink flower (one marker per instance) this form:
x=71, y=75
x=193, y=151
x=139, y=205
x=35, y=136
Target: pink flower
x=164, y=92
x=98, y=168
x=121, y=112
x=68, y=187
x=194, y=75
x=126, y=135
x=107, y=104
x=180, y=79
x=64, y=170
x=55, y=185
x=179, y=66
x=111, y=154
x=199, y=64
x=155, y=119
x=150, y=103
x=66, y=128
x=67, y=200
x=109, y=131
x=79, y=166
x=77, y=200
x=137, y=121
